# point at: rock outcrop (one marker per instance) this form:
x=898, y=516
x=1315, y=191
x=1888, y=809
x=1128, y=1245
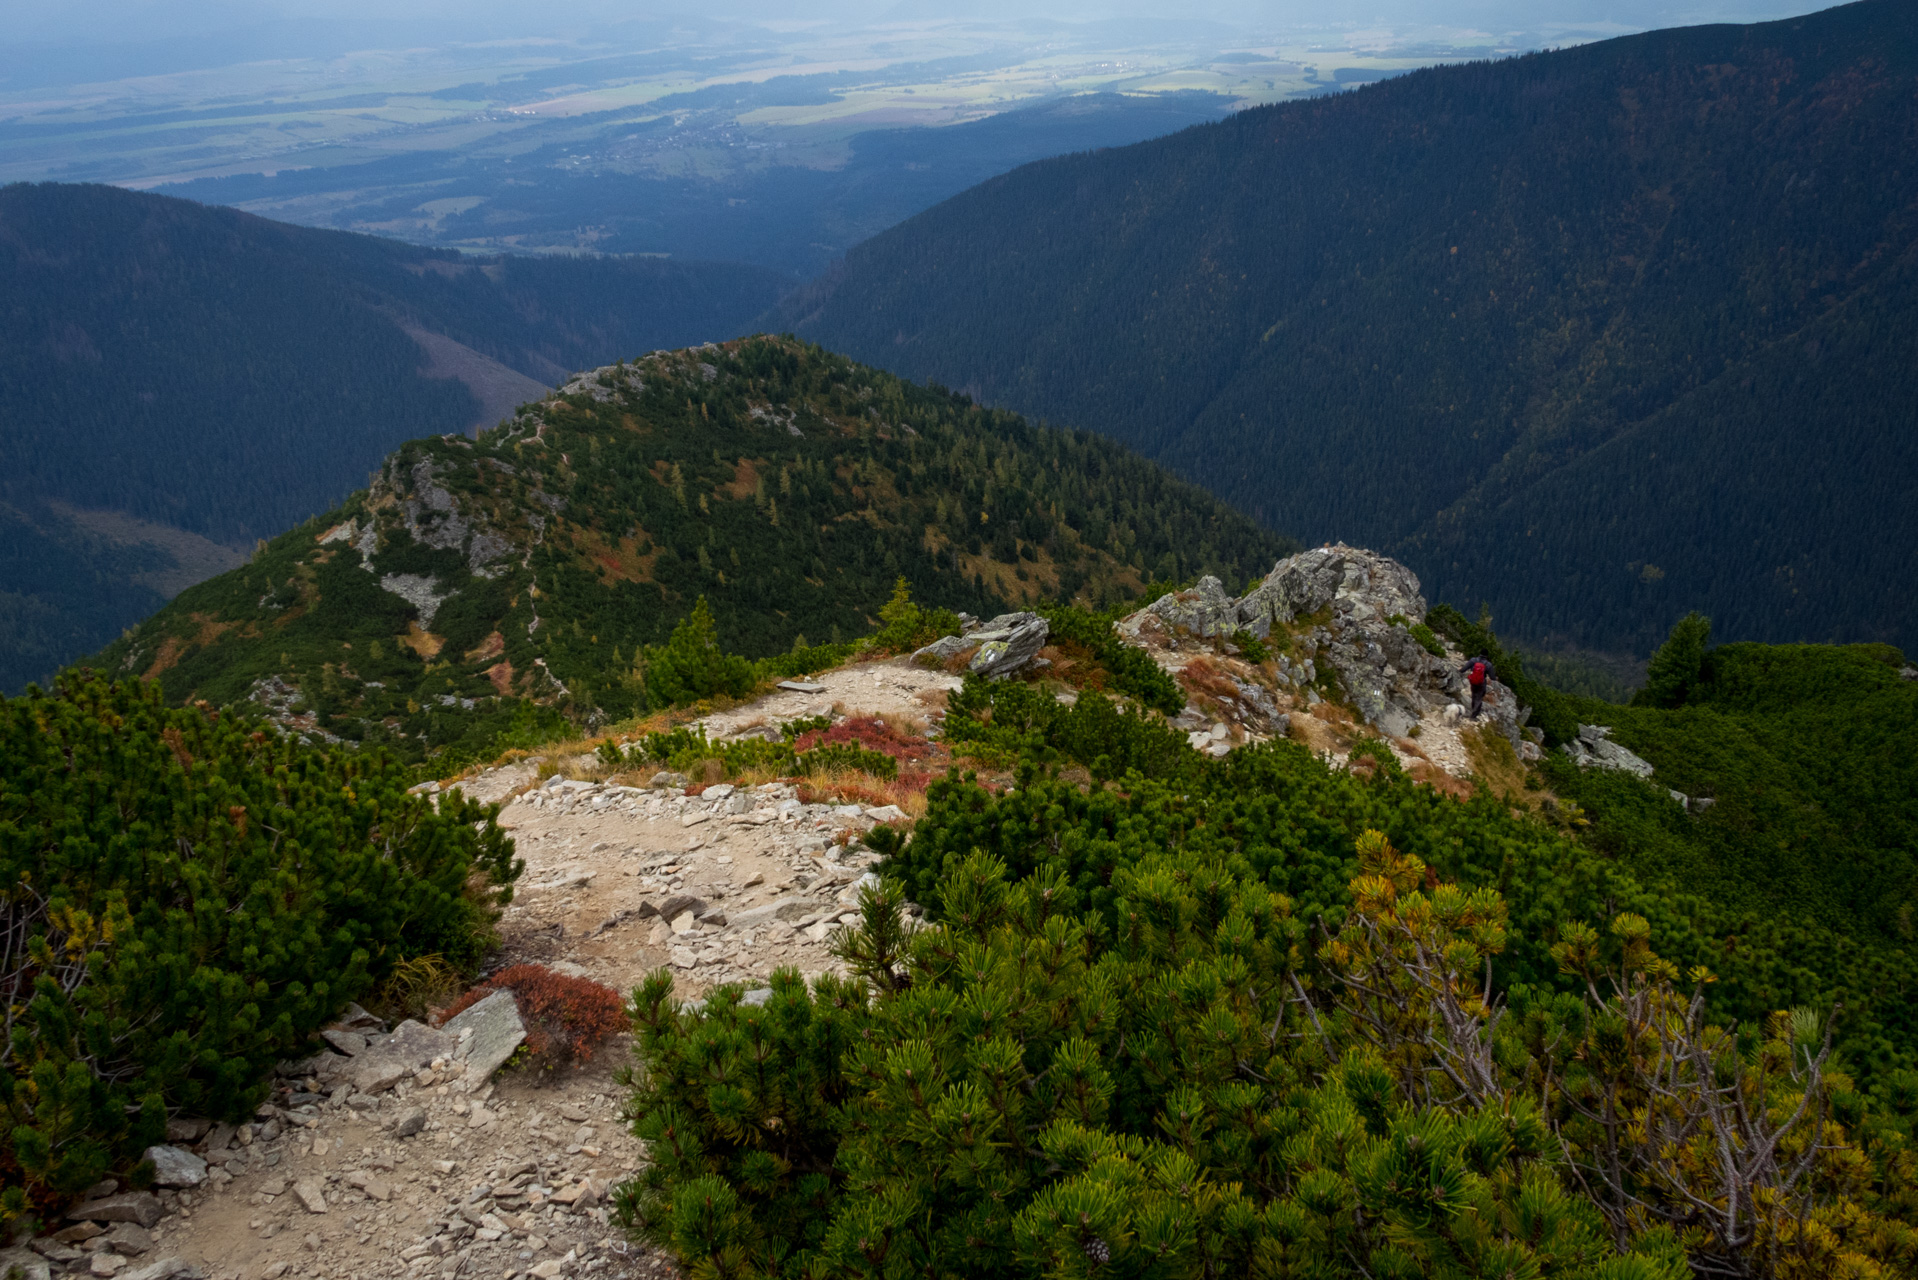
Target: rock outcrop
x=1594, y=749
x=1005, y=646
x=1008, y=644
x=1364, y=606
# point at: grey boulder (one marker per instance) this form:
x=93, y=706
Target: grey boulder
x=1367, y=584
x=142, y=1207
x=942, y=650
x=487, y=1034
x=1008, y=644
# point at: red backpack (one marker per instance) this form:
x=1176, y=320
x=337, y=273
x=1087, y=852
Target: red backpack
x=1478, y=673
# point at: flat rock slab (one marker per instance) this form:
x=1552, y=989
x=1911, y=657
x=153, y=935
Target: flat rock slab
x=142, y=1207
x=350, y=1043
x=780, y=909
x=496, y=1030
x=411, y=1046
x=173, y=1167
x=801, y=686
x=165, y=1269
x=311, y=1193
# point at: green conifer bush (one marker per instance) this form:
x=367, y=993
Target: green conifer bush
x=187, y=898
x=1197, y=1081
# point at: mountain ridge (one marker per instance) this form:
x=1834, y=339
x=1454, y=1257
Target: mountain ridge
x=479, y=580
x=220, y=374
x=1399, y=316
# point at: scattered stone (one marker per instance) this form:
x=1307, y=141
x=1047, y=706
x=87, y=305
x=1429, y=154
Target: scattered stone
x=800, y=686
x=409, y=1124
x=106, y=1264
x=311, y=1193
x=665, y=778
x=496, y=1031
x=411, y=1046
x=129, y=1239
x=142, y=1207
x=79, y=1233
x=173, y=1167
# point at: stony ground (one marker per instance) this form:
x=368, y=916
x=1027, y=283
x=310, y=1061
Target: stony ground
x=440, y=1175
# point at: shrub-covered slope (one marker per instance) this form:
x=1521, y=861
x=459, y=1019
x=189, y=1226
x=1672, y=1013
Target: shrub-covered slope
x=1598, y=335
x=480, y=580
x=1274, y=1016
x=216, y=373
x=187, y=899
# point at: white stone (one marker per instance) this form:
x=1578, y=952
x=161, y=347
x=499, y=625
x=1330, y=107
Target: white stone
x=173, y=1167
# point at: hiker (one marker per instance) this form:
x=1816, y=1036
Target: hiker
x=1477, y=672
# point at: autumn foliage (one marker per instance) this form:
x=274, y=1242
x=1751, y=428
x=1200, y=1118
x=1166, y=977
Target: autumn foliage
x=566, y=1018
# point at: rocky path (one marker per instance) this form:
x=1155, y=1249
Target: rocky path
x=437, y=1172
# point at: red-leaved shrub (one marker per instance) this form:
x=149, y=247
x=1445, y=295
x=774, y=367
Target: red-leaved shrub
x=566, y=1018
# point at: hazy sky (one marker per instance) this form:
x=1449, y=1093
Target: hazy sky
x=122, y=21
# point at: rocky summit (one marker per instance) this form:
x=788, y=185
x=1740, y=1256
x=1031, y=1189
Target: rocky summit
x=1349, y=612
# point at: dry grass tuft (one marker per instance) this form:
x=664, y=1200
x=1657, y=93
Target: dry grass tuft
x=1497, y=766
x=845, y=786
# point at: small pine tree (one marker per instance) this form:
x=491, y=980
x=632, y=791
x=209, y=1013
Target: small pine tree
x=691, y=665
x=1674, y=669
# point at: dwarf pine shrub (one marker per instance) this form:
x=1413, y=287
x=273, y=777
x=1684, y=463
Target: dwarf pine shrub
x=186, y=899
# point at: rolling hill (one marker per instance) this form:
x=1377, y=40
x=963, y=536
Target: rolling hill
x=477, y=580
x=179, y=381
x=1597, y=335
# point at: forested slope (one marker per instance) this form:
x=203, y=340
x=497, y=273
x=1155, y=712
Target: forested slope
x=520, y=575
x=1598, y=335
x=215, y=373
